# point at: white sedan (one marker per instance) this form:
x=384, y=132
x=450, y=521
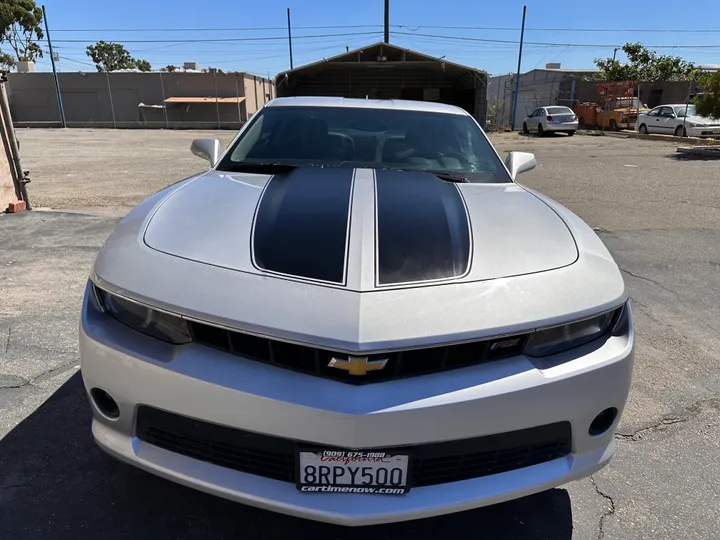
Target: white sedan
x=551, y=119
x=680, y=120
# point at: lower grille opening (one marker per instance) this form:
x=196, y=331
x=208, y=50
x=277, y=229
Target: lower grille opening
x=274, y=457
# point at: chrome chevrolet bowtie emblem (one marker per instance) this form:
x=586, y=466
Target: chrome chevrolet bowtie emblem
x=355, y=365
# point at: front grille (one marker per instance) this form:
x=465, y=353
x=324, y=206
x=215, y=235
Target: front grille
x=400, y=364
x=274, y=457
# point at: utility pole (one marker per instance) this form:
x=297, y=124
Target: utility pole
x=52, y=60
x=615, y=50
x=290, y=38
x=387, y=21
x=517, y=76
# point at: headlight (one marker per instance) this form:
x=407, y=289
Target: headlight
x=169, y=328
x=563, y=338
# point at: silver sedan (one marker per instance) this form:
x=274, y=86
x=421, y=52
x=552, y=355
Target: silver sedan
x=550, y=120
x=358, y=316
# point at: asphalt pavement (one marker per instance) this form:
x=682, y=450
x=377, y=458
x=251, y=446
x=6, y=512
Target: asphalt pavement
x=658, y=215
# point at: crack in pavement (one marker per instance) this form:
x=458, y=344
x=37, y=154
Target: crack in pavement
x=17, y=381
x=44, y=375
x=30, y=483
x=649, y=280
x=678, y=298
x=690, y=412
x=105, y=480
x=609, y=512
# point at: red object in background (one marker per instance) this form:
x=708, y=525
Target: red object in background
x=16, y=206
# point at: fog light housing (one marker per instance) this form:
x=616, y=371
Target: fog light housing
x=105, y=403
x=603, y=421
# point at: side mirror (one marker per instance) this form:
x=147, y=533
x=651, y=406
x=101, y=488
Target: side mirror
x=209, y=149
x=520, y=162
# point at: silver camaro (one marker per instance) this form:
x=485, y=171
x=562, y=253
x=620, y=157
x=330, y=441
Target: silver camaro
x=357, y=316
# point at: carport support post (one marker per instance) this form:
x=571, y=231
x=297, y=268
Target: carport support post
x=517, y=76
x=13, y=142
x=52, y=61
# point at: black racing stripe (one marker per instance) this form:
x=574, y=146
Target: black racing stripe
x=423, y=232
x=301, y=224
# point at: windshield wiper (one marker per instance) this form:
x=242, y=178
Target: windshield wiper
x=450, y=176
x=443, y=175
x=262, y=168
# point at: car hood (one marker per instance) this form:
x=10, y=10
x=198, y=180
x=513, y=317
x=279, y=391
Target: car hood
x=360, y=229
x=701, y=120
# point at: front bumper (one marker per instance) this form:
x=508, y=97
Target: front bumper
x=703, y=131
x=223, y=389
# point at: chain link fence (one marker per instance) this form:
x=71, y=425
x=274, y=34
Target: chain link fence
x=165, y=100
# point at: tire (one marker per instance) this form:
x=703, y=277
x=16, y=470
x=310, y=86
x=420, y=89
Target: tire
x=643, y=129
x=680, y=131
x=541, y=131
x=525, y=128
x=613, y=125
x=570, y=133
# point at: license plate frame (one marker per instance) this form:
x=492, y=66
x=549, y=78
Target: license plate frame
x=336, y=458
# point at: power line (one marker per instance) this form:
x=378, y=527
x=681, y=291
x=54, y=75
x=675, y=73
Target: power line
x=246, y=29
x=409, y=27
x=592, y=45
x=222, y=40
x=605, y=30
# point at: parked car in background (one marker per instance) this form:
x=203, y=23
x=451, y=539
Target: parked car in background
x=551, y=119
x=680, y=120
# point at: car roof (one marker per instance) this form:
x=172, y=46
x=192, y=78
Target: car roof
x=397, y=104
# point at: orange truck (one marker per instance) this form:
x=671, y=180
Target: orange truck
x=618, y=107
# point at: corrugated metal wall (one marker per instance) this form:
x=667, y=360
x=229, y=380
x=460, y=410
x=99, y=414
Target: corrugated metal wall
x=389, y=83
x=373, y=83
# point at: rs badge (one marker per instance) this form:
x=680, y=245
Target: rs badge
x=355, y=365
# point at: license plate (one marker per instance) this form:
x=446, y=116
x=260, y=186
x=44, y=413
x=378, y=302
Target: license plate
x=342, y=471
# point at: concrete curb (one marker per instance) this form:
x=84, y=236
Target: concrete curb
x=672, y=138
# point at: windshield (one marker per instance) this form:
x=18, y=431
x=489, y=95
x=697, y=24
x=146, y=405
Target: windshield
x=680, y=110
x=626, y=103
x=365, y=137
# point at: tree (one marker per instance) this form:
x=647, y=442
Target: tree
x=110, y=56
x=645, y=65
x=143, y=65
x=170, y=68
x=6, y=60
x=20, y=27
x=708, y=103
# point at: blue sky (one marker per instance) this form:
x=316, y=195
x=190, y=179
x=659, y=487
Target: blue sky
x=556, y=27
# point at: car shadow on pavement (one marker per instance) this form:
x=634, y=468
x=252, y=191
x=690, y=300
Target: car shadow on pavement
x=55, y=483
